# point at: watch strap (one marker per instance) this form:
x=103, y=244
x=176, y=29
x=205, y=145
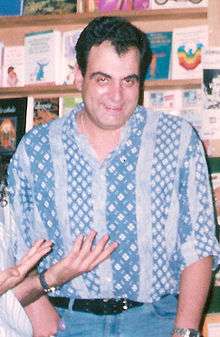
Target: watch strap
x=186, y=332
x=44, y=284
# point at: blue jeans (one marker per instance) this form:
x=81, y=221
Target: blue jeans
x=149, y=320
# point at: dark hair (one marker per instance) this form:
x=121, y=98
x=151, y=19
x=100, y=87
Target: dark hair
x=122, y=35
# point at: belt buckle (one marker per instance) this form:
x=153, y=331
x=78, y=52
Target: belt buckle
x=120, y=305
x=125, y=304
x=117, y=306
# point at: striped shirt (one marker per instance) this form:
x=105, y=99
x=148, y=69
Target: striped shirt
x=151, y=194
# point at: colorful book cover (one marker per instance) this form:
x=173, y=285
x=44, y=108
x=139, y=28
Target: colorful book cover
x=187, y=48
x=42, y=57
x=11, y=7
x=13, y=66
x=67, y=103
x=69, y=40
x=161, y=43
x=1, y=62
x=12, y=124
x=124, y=5
x=41, y=7
x=42, y=110
x=163, y=4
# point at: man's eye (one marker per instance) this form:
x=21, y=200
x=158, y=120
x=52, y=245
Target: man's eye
x=129, y=82
x=102, y=80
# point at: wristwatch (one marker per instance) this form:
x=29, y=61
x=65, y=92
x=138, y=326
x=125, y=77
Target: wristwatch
x=185, y=332
x=46, y=288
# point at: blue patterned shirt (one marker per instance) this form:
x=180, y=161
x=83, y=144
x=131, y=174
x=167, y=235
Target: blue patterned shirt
x=151, y=195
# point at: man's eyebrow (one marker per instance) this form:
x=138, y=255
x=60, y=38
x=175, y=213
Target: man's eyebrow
x=99, y=73
x=132, y=77
x=129, y=77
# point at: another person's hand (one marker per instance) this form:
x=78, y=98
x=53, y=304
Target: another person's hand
x=44, y=318
x=83, y=257
x=10, y=277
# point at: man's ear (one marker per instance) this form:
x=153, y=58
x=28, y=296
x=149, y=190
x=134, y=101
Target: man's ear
x=78, y=78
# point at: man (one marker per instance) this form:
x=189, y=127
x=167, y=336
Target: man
x=113, y=166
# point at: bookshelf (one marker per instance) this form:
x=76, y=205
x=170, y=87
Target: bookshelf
x=13, y=29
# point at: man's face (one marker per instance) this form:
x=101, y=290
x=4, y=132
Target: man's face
x=110, y=87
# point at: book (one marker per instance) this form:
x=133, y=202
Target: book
x=42, y=7
x=1, y=62
x=12, y=123
x=11, y=7
x=191, y=108
x=69, y=39
x=67, y=103
x=42, y=57
x=13, y=66
x=188, y=45
x=162, y=100
x=88, y=6
x=185, y=103
x=163, y=4
x=211, y=79
x=161, y=43
x=123, y=5
x=42, y=110
x=211, y=133
x=215, y=179
x=211, y=101
x=211, y=325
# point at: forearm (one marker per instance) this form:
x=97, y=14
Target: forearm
x=29, y=290
x=44, y=318
x=194, y=286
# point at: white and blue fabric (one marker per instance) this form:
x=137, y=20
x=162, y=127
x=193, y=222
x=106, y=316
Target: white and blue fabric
x=152, y=195
x=13, y=320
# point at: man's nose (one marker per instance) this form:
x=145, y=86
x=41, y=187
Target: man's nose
x=116, y=92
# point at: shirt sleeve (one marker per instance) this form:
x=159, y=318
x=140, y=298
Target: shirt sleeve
x=196, y=237
x=21, y=200
x=13, y=319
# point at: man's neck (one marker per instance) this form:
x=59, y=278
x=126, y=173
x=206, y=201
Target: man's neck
x=103, y=141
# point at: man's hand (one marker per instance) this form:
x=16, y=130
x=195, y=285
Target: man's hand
x=83, y=257
x=12, y=276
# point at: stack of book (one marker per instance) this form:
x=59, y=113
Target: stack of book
x=47, y=57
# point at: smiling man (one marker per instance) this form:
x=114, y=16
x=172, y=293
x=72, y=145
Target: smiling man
x=115, y=167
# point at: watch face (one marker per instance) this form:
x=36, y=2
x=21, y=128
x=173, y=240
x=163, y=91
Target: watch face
x=194, y=334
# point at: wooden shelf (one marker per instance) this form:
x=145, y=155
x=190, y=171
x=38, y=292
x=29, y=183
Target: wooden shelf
x=70, y=89
x=172, y=84
x=37, y=90
x=83, y=18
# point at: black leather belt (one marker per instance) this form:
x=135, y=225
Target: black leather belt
x=96, y=306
